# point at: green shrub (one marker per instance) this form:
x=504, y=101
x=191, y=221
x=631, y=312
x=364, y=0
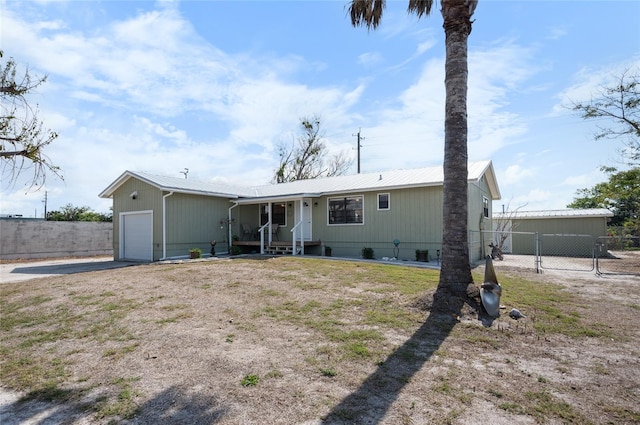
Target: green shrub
x=367, y=253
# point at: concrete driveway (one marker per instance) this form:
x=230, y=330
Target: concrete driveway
x=16, y=272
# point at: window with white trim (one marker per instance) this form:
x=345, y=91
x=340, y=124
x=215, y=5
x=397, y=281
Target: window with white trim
x=485, y=206
x=384, y=200
x=346, y=210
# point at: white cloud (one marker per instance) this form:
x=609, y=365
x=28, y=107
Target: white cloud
x=533, y=198
x=585, y=180
x=515, y=173
x=370, y=58
x=590, y=81
x=557, y=33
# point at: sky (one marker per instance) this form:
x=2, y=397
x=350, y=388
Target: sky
x=216, y=87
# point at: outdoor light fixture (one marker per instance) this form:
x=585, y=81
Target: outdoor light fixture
x=134, y=194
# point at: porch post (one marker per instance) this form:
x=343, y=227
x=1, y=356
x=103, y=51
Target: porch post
x=270, y=239
x=301, y=227
x=294, y=232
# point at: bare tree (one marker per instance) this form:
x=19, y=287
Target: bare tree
x=620, y=104
x=22, y=135
x=306, y=158
x=504, y=225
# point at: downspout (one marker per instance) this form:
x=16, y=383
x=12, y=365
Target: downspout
x=229, y=219
x=164, y=224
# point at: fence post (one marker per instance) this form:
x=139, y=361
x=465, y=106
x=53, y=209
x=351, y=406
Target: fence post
x=537, y=252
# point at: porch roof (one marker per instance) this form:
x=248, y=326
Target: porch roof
x=276, y=198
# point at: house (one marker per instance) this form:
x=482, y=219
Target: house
x=567, y=232
x=158, y=217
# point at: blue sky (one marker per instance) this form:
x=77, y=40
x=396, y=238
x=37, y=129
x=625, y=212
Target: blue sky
x=217, y=86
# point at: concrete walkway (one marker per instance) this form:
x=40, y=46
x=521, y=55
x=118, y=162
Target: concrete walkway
x=17, y=272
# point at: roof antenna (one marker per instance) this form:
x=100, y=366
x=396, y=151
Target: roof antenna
x=185, y=172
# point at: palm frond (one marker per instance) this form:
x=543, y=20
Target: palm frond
x=366, y=12
x=420, y=7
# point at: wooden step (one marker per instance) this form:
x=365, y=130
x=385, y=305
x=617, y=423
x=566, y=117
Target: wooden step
x=278, y=250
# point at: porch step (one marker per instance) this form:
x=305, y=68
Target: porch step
x=279, y=250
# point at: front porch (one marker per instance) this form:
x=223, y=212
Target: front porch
x=275, y=247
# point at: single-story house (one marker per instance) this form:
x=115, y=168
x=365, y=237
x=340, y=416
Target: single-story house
x=393, y=212
x=567, y=232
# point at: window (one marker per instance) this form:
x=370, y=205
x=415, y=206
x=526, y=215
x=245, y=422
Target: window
x=346, y=210
x=485, y=206
x=383, y=201
x=278, y=214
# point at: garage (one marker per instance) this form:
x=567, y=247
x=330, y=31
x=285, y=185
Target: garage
x=136, y=236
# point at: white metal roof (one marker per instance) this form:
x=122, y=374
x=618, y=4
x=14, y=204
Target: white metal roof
x=178, y=185
x=564, y=213
x=395, y=179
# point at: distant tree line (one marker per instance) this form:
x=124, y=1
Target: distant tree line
x=71, y=213
x=620, y=195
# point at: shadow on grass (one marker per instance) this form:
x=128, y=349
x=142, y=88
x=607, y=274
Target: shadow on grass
x=371, y=401
x=172, y=406
x=71, y=268
x=176, y=406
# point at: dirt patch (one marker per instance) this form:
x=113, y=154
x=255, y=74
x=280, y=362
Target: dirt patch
x=282, y=341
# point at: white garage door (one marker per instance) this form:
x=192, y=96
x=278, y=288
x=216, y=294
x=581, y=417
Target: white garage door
x=136, y=239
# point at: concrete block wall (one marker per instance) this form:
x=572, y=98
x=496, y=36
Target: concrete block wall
x=26, y=239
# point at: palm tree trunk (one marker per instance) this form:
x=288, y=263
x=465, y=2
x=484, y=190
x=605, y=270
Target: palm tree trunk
x=455, y=273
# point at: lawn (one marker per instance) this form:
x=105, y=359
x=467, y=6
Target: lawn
x=314, y=341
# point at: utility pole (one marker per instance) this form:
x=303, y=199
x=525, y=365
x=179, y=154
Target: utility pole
x=359, y=146
x=45, y=204
x=185, y=172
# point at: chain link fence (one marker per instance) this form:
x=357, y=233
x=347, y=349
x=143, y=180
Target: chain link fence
x=566, y=252
x=618, y=255
x=571, y=252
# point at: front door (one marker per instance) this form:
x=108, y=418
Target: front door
x=306, y=218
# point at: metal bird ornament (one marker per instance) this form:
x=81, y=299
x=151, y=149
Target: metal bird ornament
x=490, y=290
x=515, y=314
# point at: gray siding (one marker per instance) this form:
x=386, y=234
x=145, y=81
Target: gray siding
x=525, y=243
x=594, y=226
x=149, y=198
x=193, y=222
x=414, y=218
x=477, y=221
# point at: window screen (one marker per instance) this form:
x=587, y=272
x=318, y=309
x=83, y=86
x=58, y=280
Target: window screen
x=346, y=210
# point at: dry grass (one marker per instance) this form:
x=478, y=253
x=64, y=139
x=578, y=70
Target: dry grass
x=299, y=340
